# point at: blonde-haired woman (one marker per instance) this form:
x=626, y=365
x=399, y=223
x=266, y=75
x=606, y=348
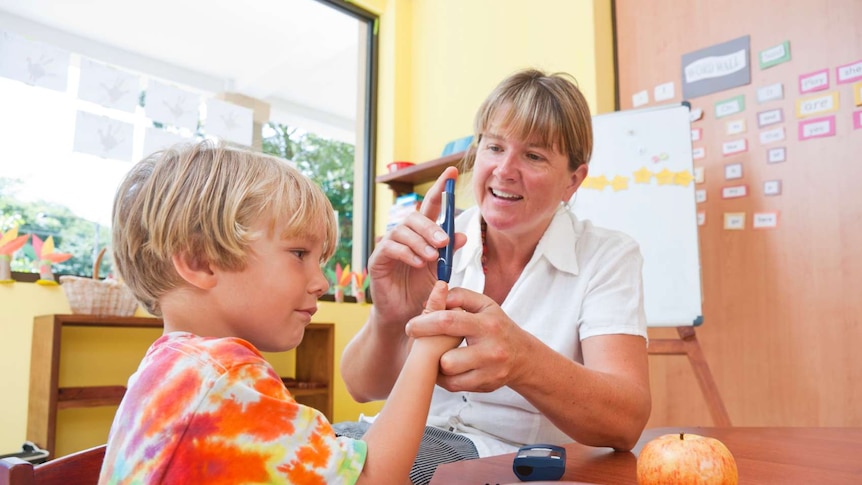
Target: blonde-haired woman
x=550, y=306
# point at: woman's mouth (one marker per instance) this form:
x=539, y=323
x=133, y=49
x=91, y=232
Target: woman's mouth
x=504, y=195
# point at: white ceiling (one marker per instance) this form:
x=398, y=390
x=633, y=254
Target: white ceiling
x=300, y=56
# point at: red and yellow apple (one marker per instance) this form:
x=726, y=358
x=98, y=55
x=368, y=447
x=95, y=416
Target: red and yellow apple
x=686, y=458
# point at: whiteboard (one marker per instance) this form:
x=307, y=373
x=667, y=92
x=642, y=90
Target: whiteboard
x=641, y=182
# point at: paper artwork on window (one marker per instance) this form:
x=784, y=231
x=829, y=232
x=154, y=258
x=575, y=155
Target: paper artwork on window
x=168, y=104
x=104, y=137
x=229, y=121
x=156, y=139
x=34, y=63
x=108, y=86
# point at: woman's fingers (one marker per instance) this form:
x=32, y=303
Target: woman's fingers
x=433, y=197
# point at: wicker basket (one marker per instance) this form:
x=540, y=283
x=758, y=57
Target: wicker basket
x=98, y=297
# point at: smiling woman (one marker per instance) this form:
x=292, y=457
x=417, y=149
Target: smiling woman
x=88, y=92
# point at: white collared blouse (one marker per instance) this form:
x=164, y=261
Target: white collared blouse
x=582, y=281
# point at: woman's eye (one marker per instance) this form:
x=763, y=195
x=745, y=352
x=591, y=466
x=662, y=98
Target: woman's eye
x=534, y=156
x=494, y=148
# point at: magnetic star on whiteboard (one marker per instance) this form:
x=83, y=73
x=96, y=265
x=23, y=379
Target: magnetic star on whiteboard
x=664, y=177
x=620, y=183
x=643, y=176
x=683, y=178
x=600, y=182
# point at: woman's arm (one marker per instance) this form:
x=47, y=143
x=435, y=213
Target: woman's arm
x=604, y=402
x=402, y=269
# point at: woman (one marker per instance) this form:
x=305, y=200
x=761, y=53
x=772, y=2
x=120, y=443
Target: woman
x=551, y=308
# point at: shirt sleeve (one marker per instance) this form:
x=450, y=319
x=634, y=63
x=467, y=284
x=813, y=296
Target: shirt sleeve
x=614, y=300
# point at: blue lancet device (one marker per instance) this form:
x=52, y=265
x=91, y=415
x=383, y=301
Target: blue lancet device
x=446, y=219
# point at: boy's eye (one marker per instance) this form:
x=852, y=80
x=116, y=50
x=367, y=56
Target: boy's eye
x=299, y=253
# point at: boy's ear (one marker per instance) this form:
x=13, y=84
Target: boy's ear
x=196, y=271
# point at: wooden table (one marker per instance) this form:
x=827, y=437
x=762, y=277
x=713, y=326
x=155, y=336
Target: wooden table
x=763, y=455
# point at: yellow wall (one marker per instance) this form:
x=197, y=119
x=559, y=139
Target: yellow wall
x=440, y=58
x=108, y=357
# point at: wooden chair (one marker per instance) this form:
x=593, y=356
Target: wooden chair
x=81, y=468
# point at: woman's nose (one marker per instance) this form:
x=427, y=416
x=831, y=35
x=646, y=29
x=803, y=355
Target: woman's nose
x=506, y=166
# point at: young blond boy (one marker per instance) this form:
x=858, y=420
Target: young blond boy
x=226, y=246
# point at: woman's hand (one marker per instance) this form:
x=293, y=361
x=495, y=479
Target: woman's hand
x=402, y=269
x=403, y=265
x=436, y=344
x=495, y=349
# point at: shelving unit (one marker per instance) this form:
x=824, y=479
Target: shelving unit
x=312, y=385
x=402, y=181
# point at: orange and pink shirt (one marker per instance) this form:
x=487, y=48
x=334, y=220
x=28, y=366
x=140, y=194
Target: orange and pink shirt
x=212, y=410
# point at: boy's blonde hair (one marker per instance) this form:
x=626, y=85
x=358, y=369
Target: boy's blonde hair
x=201, y=200
x=531, y=104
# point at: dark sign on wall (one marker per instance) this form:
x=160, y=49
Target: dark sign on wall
x=716, y=68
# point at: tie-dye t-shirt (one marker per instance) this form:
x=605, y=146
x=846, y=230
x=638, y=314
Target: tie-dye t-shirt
x=212, y=410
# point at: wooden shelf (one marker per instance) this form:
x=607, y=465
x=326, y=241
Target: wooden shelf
x=87, y=397
x=312, y=385
x=402, y=181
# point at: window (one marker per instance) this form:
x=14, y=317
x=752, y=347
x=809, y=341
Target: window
x=298, y=73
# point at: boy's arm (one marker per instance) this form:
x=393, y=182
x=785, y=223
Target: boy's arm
x=393, y=440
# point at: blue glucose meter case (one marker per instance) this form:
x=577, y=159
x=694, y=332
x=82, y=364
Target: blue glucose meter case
x=539, y=462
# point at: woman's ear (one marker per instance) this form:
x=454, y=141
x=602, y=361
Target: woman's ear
x=577, y=178
x=195, y=271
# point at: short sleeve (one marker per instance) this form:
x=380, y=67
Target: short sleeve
x=613, y=302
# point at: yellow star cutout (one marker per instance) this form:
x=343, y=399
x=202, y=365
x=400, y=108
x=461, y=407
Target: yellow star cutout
x=620, y=183
x=683, y=178
x=642, y=176
x=600, y=182
x=664, y=177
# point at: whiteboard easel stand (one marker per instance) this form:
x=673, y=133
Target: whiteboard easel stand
x=688, y=345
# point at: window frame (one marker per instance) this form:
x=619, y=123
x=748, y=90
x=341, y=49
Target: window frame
x=365, y=203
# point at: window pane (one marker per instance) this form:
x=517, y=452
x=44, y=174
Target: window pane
x=312, y=81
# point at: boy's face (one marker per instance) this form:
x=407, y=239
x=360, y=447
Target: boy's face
x=272, y=300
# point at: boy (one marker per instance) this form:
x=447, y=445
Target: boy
x=226, y=246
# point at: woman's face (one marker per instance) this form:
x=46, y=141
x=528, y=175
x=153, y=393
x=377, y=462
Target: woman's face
x=519, y=184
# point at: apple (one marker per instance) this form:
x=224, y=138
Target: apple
x=686, y=458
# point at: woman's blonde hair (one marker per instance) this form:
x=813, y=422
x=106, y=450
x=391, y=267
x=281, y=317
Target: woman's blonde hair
x=533, y=105
x=202, y=200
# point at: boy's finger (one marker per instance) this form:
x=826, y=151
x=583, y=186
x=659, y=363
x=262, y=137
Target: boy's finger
x=437, y=298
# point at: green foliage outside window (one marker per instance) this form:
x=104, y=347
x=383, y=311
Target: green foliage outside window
x=328, y=163
x=72, y=234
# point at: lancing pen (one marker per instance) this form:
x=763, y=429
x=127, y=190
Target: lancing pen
x=446, y=219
